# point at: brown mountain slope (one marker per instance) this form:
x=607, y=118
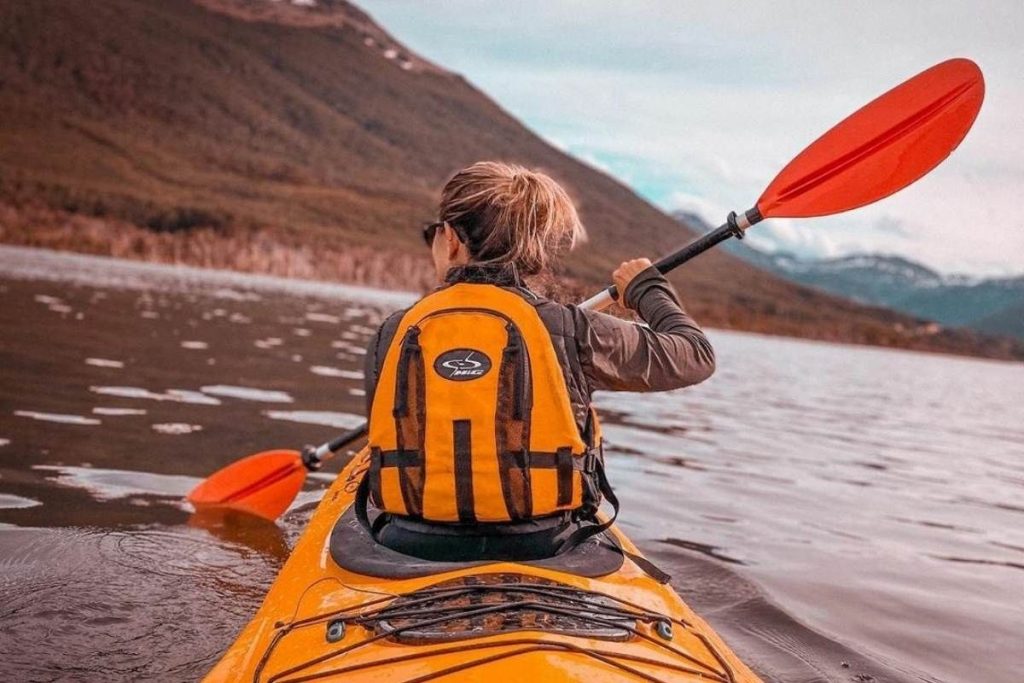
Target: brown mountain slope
x=267, y=136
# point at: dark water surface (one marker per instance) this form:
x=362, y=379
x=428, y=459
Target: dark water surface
x=837, y=513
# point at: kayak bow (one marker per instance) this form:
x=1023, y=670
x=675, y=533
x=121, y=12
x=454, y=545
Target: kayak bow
x=502, y=620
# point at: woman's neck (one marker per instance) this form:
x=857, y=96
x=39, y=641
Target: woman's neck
x=501, y=274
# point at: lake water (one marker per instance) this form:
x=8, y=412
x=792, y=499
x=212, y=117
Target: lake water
x=838, y=513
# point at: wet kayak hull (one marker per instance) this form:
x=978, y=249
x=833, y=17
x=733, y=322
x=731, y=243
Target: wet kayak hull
x=320, y=622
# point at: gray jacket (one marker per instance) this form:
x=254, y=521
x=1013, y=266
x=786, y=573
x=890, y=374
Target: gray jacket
x=598, y=351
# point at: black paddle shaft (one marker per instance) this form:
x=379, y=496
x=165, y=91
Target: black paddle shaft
x=348, y=437
x=313, y=456
x=734, y=226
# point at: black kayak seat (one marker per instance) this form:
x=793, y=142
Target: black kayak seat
x=354, y=549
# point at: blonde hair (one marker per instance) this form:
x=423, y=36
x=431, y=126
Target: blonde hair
x=509, y=215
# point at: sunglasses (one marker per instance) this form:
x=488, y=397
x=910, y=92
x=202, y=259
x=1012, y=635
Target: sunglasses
x=430, y=230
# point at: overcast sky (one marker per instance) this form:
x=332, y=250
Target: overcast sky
x=697, y=105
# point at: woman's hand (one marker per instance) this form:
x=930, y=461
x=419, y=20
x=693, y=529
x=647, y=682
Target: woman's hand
x=625, y=273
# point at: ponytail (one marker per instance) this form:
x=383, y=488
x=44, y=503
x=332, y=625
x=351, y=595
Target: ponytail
x=510, y=215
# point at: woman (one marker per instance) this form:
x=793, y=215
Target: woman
x=483, y=441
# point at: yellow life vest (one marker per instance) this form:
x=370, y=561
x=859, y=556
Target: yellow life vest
x=471, y=419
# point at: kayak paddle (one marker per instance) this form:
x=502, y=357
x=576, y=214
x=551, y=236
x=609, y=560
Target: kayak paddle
x=878, y=150
x=266, y=483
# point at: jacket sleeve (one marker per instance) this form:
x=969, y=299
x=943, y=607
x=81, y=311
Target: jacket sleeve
x=669, y=352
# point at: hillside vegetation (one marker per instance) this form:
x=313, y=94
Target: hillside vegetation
x=304, y=141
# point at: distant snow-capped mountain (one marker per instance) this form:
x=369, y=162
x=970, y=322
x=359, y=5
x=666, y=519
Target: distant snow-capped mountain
x=991, y=305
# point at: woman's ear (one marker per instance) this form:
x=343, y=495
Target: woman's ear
x=454, y=245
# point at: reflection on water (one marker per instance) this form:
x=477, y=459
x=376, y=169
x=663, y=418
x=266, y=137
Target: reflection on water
x=248, y=393
x=105, y=484
x=838, y=513
x=57, y=417
x=326, y=418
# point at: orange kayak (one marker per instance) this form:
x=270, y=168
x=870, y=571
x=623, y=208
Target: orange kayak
x=342, y=611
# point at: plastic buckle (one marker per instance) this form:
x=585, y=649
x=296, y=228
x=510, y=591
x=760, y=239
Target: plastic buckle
x=590, y=462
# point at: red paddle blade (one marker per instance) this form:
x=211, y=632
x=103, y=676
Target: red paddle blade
x=882, y=147
x=264, y=484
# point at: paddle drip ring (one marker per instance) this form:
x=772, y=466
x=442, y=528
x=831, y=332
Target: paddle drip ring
x=734, y=226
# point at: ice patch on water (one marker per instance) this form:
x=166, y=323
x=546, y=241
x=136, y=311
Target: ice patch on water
x=248, y=393
x=176, y=428
x=326, y=371
x=58, y=417
x=239, y=319
x=235, y=295
x=176, y=395
x=9, y=501
x=323, y=318
x=4, y=442
x=54, y=304
x=317, y=417
x=118, y=411
x=301, y=332
x=152, y=315
x=107, y=485
x=349, y=347
x=194, y=345
x=104, y=363
x=268, y=343
x=357, y=392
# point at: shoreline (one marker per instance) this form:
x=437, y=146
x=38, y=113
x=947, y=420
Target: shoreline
x=61, y=266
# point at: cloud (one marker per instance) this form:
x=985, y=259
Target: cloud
x=710, y=211
x=683, y=100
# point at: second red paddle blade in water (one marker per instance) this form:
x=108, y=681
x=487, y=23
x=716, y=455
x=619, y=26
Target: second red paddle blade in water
x=264, y=484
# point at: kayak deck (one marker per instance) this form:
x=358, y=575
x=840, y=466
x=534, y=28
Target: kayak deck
x=320, y=622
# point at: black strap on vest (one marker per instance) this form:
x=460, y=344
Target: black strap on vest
x=409, y=350
x=462, y=439
x=589, y=531
x=361, y=504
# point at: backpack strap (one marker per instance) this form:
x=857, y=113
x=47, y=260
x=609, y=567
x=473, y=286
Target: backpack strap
x=361, y=505
x=583, y=533
x=646, y=566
